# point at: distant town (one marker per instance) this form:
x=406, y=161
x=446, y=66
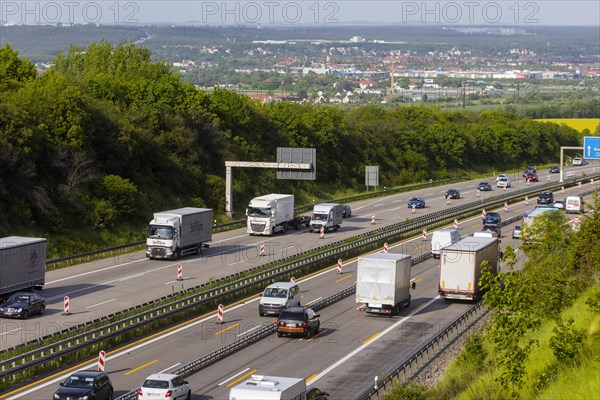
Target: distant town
x=360, y=65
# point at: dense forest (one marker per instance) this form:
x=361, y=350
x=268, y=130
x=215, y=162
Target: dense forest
x=108, y=136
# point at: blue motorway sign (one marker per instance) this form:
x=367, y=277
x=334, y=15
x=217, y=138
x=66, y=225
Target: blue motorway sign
x=591, y=147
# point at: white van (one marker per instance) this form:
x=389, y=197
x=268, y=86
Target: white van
x=442, y=238
x=260, y=387
x=277, y=297
x=574, y=204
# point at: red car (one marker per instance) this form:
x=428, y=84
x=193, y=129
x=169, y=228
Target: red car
x=531, y=177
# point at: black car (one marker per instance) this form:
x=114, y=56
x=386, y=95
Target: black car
x=554, y=169
x=314, y=393
x=22, y=305
x=298, y=321
x=85, y=385
x=546, y=198
x=452, y=194
x=484, y=186
x=492, y=218
x=529, y=170
x=346, y=211
x=418, y=202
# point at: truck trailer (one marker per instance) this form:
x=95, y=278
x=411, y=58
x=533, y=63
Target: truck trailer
x=260, y=387
x=383, y=283
x=460, y=266
x=175, y=233
x=273, y=213
x=22, y=264
x=328, y=216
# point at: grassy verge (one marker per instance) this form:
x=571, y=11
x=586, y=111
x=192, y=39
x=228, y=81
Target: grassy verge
x=472, y=375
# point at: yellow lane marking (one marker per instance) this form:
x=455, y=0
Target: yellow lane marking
x=140, y=367
x=372, y=337
x=346, y=277
x=241, y=378
x=318, y=334
x=310, y=378
x=420, y=247
x=226, y=329
x=475, y=226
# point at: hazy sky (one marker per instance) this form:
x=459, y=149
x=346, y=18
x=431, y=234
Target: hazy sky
x=324, y=13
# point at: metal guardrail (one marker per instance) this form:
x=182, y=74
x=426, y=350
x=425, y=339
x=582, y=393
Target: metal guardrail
x=222, y=227
x=256, y=336
x=39, y=356
x=422, y=355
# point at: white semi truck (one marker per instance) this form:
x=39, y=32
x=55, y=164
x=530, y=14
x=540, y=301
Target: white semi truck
x=383, y=282
x=460, y=266
x=328, y=216
x=175, y=233
x=273, y=213
x=261, y=387
x=22, y=263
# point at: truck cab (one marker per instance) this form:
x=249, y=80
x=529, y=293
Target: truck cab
x=327, y=216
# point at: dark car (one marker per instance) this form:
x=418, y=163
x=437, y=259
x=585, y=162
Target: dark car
x=346, y=211
x=492, y=218
x=484, y=186
x=418, y=202
x=314, y=393
x=85, y=385
x=529, y=170
x=554, y=169
x=531, y=177
x=491, y=228
x=298, y=321
x=22, y=305
x=452, y=194
x=545, y=198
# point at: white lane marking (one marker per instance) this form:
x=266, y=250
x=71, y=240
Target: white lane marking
x=376, y=338
x=169, y=368
x=248, y=331
x=99, y=304
x=397, y=201
x=93, y=272
x=128, y=277
x=235, y=376
x=312, y=301
x=7, y=332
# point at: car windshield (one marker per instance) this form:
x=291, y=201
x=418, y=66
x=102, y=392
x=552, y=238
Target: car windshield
x=414, y=199
x=18, y=299
x=319, y=217
x=259, y=212
x=155, y=384
x=79, y=381
x=275, y=292
x=160, y=232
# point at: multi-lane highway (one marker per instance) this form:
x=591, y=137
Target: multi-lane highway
x=364, y=346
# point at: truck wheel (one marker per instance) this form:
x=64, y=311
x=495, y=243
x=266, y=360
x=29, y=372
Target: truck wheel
x=296, y=225
x=408, y=301
x=285, y=227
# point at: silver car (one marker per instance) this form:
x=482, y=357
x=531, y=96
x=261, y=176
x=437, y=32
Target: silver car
x=517, y=232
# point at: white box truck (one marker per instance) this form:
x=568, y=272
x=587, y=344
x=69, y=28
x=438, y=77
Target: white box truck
x=460, y=266
x=22, y=263
x=261, y=387
x=175, y=233
x=273, y=213
x=328, y=216
x=383, y=282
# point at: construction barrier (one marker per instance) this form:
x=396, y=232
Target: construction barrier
x=101, y=360
x=220, y=314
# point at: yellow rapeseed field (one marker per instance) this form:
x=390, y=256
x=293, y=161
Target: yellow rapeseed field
x=576, y=123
